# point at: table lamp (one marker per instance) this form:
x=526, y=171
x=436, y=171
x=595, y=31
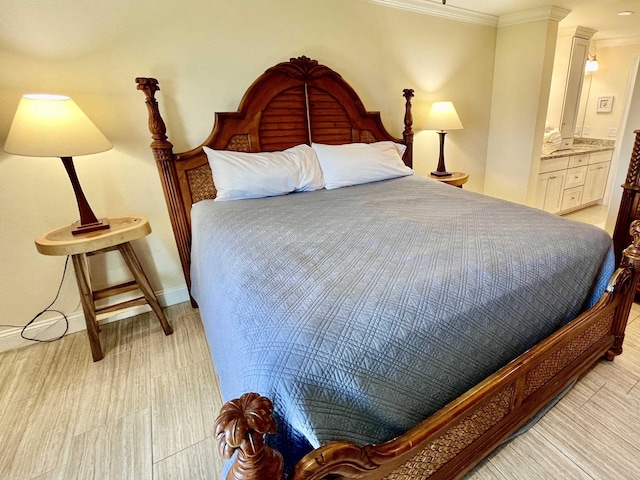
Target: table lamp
x=54, y=126
x=442, y=117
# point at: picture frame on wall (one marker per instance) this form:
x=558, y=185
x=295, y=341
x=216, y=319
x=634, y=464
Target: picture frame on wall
x=605, y=104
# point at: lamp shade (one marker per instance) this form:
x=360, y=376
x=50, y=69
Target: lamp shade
x=591, y=65
x=53, y=126
x=443, y=116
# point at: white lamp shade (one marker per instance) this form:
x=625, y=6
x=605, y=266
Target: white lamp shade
x=443, y=116
x=53, y=126
x=591, y=65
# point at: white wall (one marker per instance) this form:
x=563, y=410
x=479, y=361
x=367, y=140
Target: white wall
x=615, y=77
x=205, y=54
x=630, y=122
x=524, y=60
x=614, y=66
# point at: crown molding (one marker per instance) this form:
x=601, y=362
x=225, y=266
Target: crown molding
x=438, y=10
x=543, y=13
x=582, y=32
x=618, y=42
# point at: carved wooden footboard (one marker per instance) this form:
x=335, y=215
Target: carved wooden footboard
x=453, y=440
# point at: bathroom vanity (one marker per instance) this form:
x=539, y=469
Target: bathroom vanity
x=574, y=178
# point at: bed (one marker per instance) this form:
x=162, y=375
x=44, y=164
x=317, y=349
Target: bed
x=397, y=328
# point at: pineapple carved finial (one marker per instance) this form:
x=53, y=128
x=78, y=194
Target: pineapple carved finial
x=240, y=428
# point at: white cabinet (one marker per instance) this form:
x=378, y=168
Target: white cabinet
x=572, y=47
x=549, y=191
x=573, y=89
x=572, y=182
x=595, y=182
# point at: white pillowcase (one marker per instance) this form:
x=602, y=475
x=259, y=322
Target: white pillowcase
x=239, y=175
x=356, y=163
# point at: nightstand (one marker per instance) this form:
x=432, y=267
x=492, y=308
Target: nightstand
x=123, y=230
x=457, y=179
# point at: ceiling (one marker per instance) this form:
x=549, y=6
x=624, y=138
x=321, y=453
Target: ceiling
x=600, y=15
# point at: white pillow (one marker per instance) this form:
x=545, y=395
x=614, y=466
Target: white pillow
x=238, y=175
x=356, y=163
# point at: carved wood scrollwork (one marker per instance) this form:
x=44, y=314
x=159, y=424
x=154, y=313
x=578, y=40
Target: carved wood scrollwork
x=157, y=126
x=240, y=428
x=303, y=68
x=407, y=134
x=628, y=209
x=624, y=279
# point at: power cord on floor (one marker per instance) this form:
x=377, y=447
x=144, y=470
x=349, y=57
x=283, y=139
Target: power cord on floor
x=47, y=309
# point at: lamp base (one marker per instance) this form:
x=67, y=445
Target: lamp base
x=441, y=174
x=101, y=224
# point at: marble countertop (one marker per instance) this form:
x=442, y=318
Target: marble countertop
x=581, y=146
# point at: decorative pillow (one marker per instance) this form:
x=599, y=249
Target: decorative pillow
x=356, y=163
x=238, y=175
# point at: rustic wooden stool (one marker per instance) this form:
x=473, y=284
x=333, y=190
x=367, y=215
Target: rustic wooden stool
x=123, y=229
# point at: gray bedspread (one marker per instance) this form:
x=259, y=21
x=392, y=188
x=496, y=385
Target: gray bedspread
x=363, y=310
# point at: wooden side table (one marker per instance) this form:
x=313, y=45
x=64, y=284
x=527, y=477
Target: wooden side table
x=457, y=179
x=123, y=229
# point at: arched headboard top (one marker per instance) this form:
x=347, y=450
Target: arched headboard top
x=294, y=102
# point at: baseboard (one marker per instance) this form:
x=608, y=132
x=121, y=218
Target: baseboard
x=11, y=338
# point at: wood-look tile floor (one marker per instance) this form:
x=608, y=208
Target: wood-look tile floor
x=595, y=215
x=146, y=411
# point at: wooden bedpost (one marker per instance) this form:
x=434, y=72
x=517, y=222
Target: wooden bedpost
x=240, y=428
x=630, y=262
x=163, y=154
x=629, y=203
x=407, y=134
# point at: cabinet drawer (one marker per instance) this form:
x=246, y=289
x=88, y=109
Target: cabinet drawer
x=575, y=177
x=571, y=198
x=598, y=157
x=553, y=164
x=578, y=160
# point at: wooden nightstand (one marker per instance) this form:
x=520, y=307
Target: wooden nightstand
x=457, y=179
x=123, y=229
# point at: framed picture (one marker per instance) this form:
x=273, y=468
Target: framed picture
x=605, y=104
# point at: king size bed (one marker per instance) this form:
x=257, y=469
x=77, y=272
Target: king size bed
x=374, y=323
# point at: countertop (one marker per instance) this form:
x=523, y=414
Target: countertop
x=581, y=146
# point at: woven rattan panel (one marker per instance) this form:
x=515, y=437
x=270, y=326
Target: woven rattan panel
x=201, y=183
x=456, y=439
x=239, y=143
x=366, y=136
x=544, y=372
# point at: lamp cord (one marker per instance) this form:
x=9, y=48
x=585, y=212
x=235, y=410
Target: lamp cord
x=46, y=309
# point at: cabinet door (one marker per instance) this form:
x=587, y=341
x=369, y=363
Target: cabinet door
x=549, y=191
x=595, y=182
x=573, y=89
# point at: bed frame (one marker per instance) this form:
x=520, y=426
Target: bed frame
x=301, y=101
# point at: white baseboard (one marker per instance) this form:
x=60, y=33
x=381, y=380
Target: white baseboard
x=54, y=325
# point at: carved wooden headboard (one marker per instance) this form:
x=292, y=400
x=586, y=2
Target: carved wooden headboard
x=294, y=102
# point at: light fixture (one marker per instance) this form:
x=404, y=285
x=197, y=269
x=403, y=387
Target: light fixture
x=54, y=126
x=442, y=117
x=591, y=65
x=625, y=13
